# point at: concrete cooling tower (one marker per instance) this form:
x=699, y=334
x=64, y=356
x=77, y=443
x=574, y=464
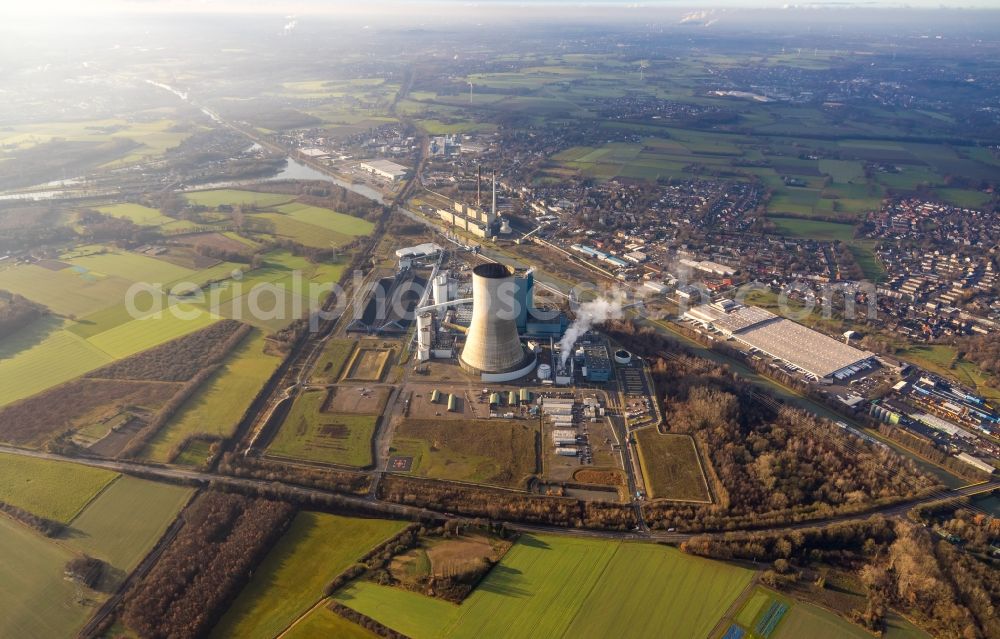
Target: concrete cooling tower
x=492, y=346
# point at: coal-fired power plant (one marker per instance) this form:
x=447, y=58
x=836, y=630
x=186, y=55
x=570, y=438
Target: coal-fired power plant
x=493, y=347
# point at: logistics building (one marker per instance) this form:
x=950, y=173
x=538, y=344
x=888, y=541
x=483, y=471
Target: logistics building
x=384, y=169
x=798, y=347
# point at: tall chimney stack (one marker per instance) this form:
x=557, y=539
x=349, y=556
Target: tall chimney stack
x=493, y=211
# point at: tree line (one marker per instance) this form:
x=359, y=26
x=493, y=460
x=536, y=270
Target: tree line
x=201, y=572
x=16, y=312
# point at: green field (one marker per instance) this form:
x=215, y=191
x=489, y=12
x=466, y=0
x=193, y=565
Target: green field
x=938, y=358
x=126, y=520
x=144, y=333
x=38, y=602
x=964, y=197
x=152, y=136
x=813, y=229
x=806, y=620
x=331, y=362
x=288, y=227
x=670, y=466
x=129, y=266
x=141, y=215
x=55, y=490
x=551, y=587
x=309, y=434
x=322, y=622
x=327, y=219
x=292, y=284
x=233, y=197
x=27, y=369
x=65, y=291
x=316, y=548
x=216, y=408
x=498, y=452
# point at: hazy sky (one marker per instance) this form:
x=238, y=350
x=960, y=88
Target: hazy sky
x=42, y=7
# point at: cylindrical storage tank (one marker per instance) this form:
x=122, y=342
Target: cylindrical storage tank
x=441, y=288
x=622, y=356
x=424, y=329
x=512, y=398
x=452, y=402
x=495, y=399
x=492, y=344
x=544, y=372
x=525, y=396
x=435, y=396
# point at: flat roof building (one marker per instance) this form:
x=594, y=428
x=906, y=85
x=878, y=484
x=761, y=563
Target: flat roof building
x=797, y=346
x=597, y=364
x=384, y=169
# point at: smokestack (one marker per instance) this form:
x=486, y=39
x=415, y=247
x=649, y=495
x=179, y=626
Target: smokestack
x=493, y=211
x=587, y=315
x=479, y=188
x=492, y=344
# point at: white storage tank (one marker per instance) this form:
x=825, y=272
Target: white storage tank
x=544, y=372
x=623, y=357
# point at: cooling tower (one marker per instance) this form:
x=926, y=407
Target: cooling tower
x=492, y=345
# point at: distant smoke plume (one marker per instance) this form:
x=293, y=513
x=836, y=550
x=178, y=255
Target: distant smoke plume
x=588, y=314
x=290, y=25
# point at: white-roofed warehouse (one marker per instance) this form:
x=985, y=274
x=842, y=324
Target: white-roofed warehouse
x=797, y=346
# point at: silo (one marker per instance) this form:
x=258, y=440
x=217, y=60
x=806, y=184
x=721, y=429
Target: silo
x=492, y=344
x=512, y=398
x=425, y=336
x=441, y=288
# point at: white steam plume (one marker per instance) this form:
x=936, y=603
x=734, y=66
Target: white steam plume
x=588, y=314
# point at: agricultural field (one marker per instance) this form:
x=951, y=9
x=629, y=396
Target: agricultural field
x=128, y=266
x=323, y=622
x=331, y=362
x=769, y=615
x=62, y=289
x=216, y=408
x=124, y=522
x=152, y=137
x=346, y=225
x=30, y=368
x=141, y=215
x=499, y=452
x=50, y=489
x=145, y=333
x=813, y=229
x=550, y=587
x=315, y=549
x=231, y=197
x=288, y=285
x=670, y=466
x=289, y=228
x=311, y=434
x=38, y=601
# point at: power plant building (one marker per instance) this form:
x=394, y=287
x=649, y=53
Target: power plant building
x=493, y=347
x=596, y=364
